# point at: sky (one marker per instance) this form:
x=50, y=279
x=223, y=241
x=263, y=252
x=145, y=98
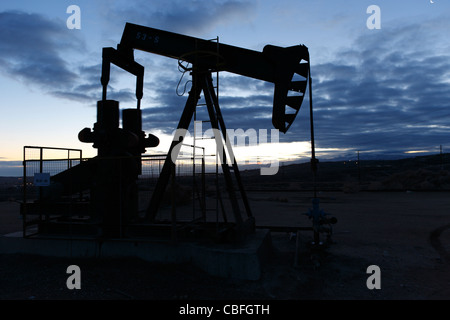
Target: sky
x=381, y=91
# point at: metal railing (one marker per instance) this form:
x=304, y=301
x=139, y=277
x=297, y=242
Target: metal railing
x=189, y=168
x=38, y=159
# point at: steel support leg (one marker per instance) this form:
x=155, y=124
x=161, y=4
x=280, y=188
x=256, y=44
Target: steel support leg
x=183, y=125
x=209, y=88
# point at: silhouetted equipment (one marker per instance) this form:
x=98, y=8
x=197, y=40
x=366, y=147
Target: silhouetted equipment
x=321, y=222
x=112, y=175
x=117, y=165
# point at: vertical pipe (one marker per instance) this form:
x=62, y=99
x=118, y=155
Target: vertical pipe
x=313, y=148
x=41, y=167
x=217, y=191
x=217, y=73
x=121, y=195
x=174, y=212
x=24, y=211
x=81, y=159
x=193, y=166
x=193, y=177
x=203, y=187
x=313, y=155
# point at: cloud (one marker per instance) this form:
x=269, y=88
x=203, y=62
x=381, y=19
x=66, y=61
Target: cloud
x=389, y=91
x=180, y=16
x=33, y=49
x=37, y=51
x=244, y=102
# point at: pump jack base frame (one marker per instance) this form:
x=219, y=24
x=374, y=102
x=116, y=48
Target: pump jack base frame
x=243, y=260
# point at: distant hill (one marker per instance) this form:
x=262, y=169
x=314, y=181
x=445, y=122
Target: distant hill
x=10, y=188
x=421, y=173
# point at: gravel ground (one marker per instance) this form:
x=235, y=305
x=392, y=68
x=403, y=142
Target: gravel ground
x=399, y=232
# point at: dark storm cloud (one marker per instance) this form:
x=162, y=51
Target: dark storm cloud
x=180, y=16
x=88, y=88
x=389, y=92
x=386, y=94
x=184, y=17
x=91, y=93
x=32, y=49
x=35, y=50
x=252, y=111
x=162, y=106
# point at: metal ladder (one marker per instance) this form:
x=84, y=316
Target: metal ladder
x=219, y=202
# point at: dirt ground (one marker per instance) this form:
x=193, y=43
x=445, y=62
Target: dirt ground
x=405, y=234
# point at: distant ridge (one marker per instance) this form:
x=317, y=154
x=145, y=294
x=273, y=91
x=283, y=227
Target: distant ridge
x=419, y=173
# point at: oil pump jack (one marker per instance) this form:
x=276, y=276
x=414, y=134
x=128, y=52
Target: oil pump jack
x=113, y=195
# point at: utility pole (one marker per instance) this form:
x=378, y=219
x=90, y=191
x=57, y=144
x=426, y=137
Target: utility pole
x=442, y=158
